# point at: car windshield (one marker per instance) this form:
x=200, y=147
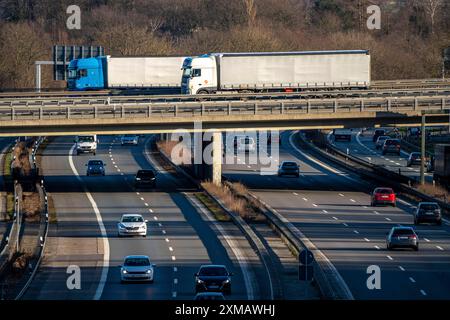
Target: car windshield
x=402, y=232
x=146, y=174
x=137, y=262
x=132, y=219
x=86, y=139
x=379, y=132
x=429, y=206
x=384, y=191
x=95, y=163
x=213, y=271
x=415, y=155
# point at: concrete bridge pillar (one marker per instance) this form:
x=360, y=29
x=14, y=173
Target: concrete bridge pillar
x=217, y=158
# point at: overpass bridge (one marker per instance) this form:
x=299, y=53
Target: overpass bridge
x=221, y=115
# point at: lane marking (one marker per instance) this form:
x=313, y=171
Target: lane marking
x=170, y=249
x=377, y=247
x=305, y=199
x=324, y=211
x=150, y=210
x=367, y=240
x=164, y=231
x=356, y=231
x=412, y=280
x=390, y=258
x=401, y=268
x=174, y=258
x=427, y=240
x=440, y=248
x=352, y=200
x=423, y=292
x=335, y=218
x=175, y=281
x=295, y=194
x=341, y=195
x=106, y=249
x=346, y=225
x=175, y=269
x=167, y=240
x=155, y=218
x=388, y=219
x=376, y=212
x=159, y=224
x=142, y=199
x=314, y=205
x=174, y=294
x=146, y=204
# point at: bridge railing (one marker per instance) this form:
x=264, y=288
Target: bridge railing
x=225, y=108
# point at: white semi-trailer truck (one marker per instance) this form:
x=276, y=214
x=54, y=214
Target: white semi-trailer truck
x=275, y=71
x=125, y=73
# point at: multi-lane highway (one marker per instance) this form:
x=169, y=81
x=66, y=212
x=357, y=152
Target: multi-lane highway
x=181, y=235
x=332, y=208
x=362, y=147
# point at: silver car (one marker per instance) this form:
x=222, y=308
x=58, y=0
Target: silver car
x=129, y=139
x=402, y=237
x=132, y=225
x=137, y=268
x=380, y=141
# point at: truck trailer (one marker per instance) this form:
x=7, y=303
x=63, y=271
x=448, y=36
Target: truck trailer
x=276, y=71
x=442, y=164
x=125, y=73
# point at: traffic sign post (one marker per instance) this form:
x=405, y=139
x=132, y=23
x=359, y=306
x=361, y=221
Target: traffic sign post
x=305, y=268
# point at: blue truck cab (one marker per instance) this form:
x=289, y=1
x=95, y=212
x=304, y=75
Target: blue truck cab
x=87, y=74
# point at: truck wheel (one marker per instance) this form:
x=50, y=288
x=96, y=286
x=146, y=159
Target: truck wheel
x=202, y=92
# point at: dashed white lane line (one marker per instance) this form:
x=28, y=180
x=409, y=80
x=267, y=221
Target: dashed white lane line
x=314, y=205
x=146, y=204
x=138, y=193
x=376, y=212
x=426, y=239
x=150, y=210
x=377, y=247
x=163, y=231
x=160, y=225
x=170, y=249
x=155, y=218
x=142, y=199
x=175, y=269
x=401, y=268
x=174, y=294
x=423, y=292
x=305, y=199
x=352, y=200
x=356, y=231
x=440, y=248
x=174, y=258
x=341, y=195
x=412, y=280
x=346, y=225
x=118, y=170
x=367, y=240
x=388, y=219
x=335, y=218
x=104, y=235
x=295, y=193
x=324, y=211
x=167, y=240
x=390, y=258
x=175, y=281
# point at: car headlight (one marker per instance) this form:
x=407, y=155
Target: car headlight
x=90, y=168
x=138, y=179
x=227, y=281
x=121, y=226
x=149, y=271
x=199, y=281
x=124, y=271
x=101, y=168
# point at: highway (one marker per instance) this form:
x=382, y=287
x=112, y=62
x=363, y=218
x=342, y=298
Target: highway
x=180, y=236
x=332, y=209
x=362, y=147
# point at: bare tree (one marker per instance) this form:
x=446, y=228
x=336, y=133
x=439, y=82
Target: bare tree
x=431, y=8
x=250, y=8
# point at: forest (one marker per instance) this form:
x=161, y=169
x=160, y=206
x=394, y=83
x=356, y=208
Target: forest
x=409, y=43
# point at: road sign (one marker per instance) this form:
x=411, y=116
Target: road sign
x=62, y=55
x=305, y=273
x=306, y=257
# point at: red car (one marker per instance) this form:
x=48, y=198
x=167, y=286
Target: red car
x=384, y=196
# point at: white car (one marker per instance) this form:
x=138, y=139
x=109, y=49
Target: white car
x=129, y=139
x=137, y=268
x=246, y=144
x=132, y=225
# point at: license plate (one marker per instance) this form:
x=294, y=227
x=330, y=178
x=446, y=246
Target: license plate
x=214, y=287
x=403, y=238
x=385, y=197
x=429, y=213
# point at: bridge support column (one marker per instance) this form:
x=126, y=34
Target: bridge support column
x=217, y=158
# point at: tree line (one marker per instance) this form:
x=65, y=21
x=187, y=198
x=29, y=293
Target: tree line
x=409, y=44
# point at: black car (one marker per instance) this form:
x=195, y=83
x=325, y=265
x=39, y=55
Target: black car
x=414, y=158
x=213, y=278
x=378, y=133
x=289, y=168
x=145, y=178
x=95, y=167
x=428, y=212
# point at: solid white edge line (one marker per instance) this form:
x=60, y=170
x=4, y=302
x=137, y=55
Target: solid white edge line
x=106, y=252
x=241, y=258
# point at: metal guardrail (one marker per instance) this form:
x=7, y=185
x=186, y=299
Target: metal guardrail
x=43, y=233
x=377, y=173
x=230, y=108
x=139, y=99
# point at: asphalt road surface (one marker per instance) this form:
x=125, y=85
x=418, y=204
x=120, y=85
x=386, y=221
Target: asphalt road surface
x=332, y=208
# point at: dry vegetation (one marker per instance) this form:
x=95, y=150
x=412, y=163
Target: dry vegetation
x=31, y=205
x=409, y=44
x=435, y=191
x=21, y=158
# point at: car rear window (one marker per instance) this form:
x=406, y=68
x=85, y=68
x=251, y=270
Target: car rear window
x=429, y=206
x=392, y=142
x=213, y=271
x=402, y=232
x=384, y=191
x=95, y=163
x=289, y=164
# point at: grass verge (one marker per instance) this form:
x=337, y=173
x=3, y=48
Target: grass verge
x=217, y=211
